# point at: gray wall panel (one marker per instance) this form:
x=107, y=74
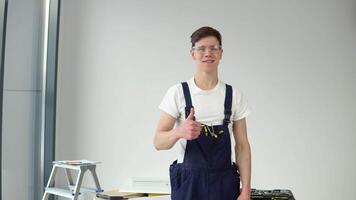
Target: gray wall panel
x=21, y=97
x=18, y=144
x=22, y=46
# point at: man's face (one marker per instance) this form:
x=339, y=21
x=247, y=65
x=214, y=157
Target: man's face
x=207, y=53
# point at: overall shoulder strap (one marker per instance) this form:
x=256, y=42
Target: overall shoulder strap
x=188, y=99
x=227, y=105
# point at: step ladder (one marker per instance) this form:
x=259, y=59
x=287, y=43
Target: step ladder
x=73, y=190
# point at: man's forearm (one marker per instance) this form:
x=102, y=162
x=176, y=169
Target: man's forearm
x=165, y=139
x=243, y=159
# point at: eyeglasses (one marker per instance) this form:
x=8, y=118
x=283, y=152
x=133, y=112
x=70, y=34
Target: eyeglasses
x=212, y=49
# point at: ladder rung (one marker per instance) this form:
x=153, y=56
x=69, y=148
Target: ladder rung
x=86, y=189
x=60, y=192
x=76, y=167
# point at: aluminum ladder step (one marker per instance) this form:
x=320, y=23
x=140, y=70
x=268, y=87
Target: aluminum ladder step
x=60, y=192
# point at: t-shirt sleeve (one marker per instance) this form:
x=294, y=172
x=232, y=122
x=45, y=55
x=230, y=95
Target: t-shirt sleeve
x=169, y=102
x=241, y=106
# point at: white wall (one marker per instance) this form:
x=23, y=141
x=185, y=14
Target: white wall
x=294, y=60
x=20, y=104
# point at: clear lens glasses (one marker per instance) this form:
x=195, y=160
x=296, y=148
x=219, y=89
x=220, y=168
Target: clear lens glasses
x=212, y=49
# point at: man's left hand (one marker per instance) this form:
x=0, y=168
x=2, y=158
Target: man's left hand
x=244, y=196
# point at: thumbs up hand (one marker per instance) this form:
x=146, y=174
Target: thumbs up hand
x=191, y=115
x=189, y=129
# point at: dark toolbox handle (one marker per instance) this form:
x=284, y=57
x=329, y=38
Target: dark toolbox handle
x=105, y=196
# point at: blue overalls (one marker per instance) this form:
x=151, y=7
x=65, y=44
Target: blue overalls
x=206, y=172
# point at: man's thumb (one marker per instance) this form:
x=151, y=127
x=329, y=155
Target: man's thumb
x=191, y=114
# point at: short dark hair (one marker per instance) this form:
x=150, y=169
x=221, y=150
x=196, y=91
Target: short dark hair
x=203, y=32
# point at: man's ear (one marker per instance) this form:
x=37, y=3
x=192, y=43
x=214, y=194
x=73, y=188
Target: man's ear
x=192, y=54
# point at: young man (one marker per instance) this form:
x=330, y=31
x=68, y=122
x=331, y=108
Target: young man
x=209, y=113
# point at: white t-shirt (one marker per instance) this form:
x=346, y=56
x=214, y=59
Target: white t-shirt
x=208, y=107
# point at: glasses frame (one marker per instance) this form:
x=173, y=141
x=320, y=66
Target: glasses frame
x=213, y=49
